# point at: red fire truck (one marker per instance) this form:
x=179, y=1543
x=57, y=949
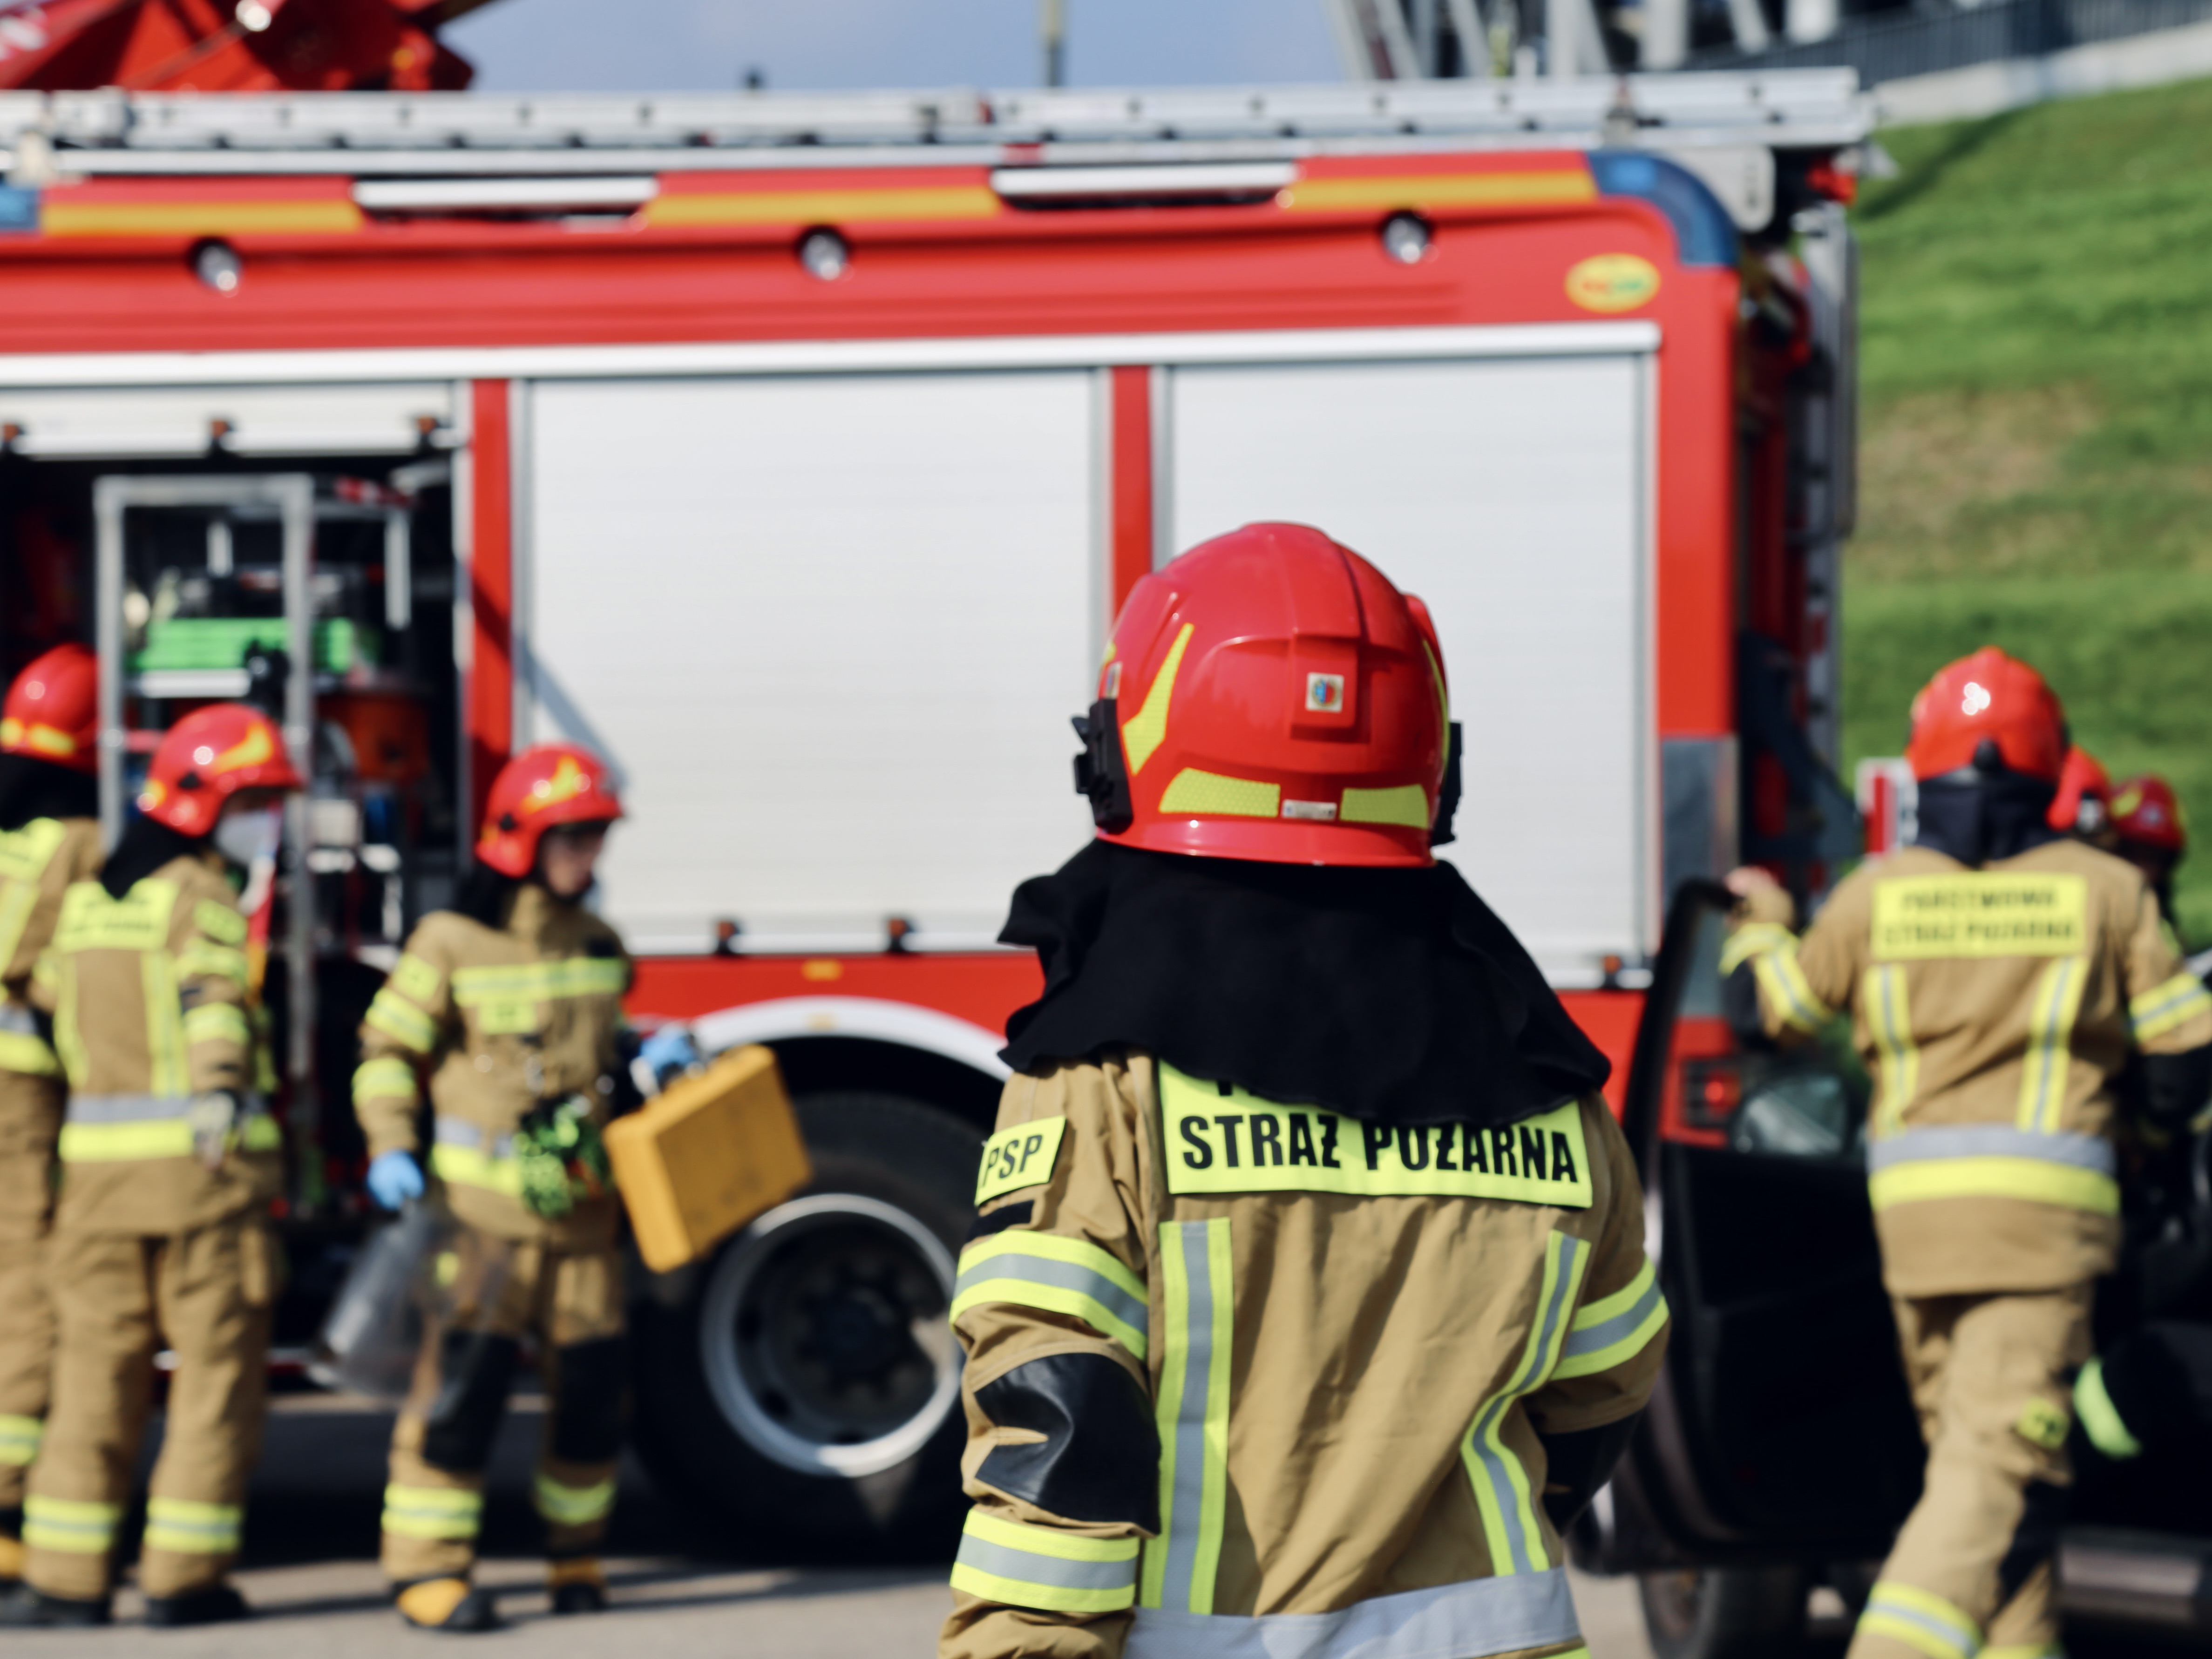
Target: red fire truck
x=795, y=453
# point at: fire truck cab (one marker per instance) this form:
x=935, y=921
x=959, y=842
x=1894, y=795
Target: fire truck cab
x=795, y=453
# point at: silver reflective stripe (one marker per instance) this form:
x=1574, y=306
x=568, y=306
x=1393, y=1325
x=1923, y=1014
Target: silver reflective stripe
x=1618, y=1329
x=18, y=1020
x=1507, y=1480
x=127, y=1109
x=1992, y=1140
x=1004, y=1562
x=1063, y=1275
x=1184, y=1530
x=451, y=1132
x=1451, y=1621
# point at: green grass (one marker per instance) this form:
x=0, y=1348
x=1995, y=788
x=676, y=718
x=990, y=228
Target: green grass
x=2036, y=450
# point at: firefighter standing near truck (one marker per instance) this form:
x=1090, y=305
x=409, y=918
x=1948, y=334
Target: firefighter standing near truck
x=168, y=1159
x=1998, y=975
x=510, y=1004
x=49, y=838
x=1308, y=1299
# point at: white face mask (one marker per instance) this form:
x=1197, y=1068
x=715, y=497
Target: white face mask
x=244, y=837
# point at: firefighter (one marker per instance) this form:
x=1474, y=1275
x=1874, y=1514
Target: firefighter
x=2083, y=805
x=1307, y=1300
x=2149, y=832
x=510, y=1004
x=49, y=837
x=1998, y=974
x=169, y=1159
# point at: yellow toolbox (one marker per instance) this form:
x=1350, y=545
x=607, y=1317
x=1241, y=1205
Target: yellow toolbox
x=707, y=1156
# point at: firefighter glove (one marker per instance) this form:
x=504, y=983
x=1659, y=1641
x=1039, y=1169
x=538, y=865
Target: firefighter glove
x=394, y=1178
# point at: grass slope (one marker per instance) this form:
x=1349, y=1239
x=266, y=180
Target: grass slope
x=2036, y=469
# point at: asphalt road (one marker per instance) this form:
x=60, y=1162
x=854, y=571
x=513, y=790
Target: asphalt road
x=310, y=1570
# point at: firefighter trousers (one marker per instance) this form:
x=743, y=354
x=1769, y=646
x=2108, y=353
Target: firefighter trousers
x=499, y=1291
x=1974, y=1570
x=30, y=1119
x=118, y=1298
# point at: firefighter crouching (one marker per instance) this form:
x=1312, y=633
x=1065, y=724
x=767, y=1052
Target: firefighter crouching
x=169, y=1159
x=49, y=838
x=1308, y=1299
x=1998, y=975
x=510, y=1004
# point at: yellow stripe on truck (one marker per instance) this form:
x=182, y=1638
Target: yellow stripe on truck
x=335, y=217
x=1437, y=190
x=824, y=207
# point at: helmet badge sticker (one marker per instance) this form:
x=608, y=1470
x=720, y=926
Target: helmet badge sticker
x=1324, y=693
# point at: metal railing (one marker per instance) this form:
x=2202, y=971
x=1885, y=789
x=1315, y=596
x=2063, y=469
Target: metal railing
x=1894, y=46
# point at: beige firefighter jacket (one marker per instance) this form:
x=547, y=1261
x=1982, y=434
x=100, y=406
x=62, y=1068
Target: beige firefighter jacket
x=1996, y=1008
x=1346, y=1338
x=499, y=1019
x=38, y=862
x=149, y=998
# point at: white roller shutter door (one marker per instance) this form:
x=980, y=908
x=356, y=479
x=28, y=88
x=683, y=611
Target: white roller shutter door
x=829, y=629
x=1512, y=496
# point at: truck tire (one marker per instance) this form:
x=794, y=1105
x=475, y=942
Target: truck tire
x=801, y=1389
x=1724, y=1612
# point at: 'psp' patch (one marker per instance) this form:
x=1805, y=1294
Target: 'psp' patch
x=1020, y=1156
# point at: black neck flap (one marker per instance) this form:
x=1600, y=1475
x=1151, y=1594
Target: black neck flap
x=1978, y=819
x=147, y=846
x=1394, y=996
x=34, y=788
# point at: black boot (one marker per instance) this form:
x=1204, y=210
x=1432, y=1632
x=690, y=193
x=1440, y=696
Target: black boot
x=217, y=1604
x=26, y=1608
x=452, y=1605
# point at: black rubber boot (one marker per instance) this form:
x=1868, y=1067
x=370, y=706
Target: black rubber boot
x=218, y=1604
x=26, y=1608
x=452, y=1605
x=579, y=1596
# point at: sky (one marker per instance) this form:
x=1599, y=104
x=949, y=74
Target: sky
x=703, y=45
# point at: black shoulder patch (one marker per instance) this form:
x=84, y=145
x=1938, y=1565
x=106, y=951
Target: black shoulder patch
x=1099, y=1460
x=1005, y=1216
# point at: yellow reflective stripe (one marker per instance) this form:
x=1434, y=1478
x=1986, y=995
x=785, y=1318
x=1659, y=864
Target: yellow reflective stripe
x=69, y=1040
x=169, y=1137
x=1922, y=1621
x=1889, y=1017
x=541, y=981
x=1613, y=1329
x=1146, y=730
x=2050, y=1014
x=25, y=852
x=1061, y=1275
x=470, y=1166
x=384, y=1078
x=2025, y=1651
x=260, y=1134
x=1193, y=791
x=216, y=1022
x=1198, y=1291
x=2099, y=1417
x=221, y=922
x=1503, y=1494
x=573, y=1506
x=1022, y=1156
x=203, y=960
x=2164, y=1008
x=1788, y=991
x=189, y=1528
x=2030, y=1179
x=166, y=1071
x=402, y=1021
x=1749, y=940
x=19, y=1439
x=416, y=978
x=139, y=921
x=22, y=1052
x=432, y=1512
x=1020, y=1565
x=1407, y=805
x=58, y=1523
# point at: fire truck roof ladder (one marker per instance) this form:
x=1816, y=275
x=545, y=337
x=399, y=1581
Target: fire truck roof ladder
x=419, y=134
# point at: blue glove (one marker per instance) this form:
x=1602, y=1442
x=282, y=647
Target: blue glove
x=394, y=1178
x=669, y=1051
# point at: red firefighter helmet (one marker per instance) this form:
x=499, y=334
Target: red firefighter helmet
x=2146, y=812
x=2083, y=803
x=52, y=711
x=1988, y=697
x=1269, y=694
x=207, y=758
x=552, y=783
